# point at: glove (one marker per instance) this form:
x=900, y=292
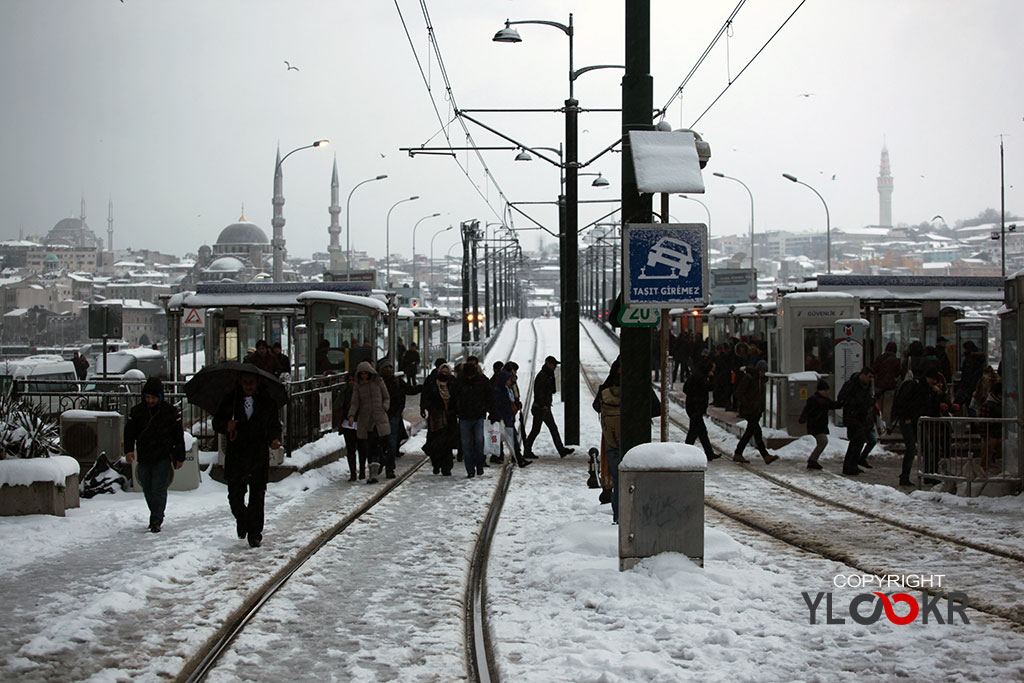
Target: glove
x=943, y=407
x=956, y=407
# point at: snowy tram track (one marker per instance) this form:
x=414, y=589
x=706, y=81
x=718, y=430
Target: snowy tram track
x=377, y=597
x=866, y=542
x=480, y=651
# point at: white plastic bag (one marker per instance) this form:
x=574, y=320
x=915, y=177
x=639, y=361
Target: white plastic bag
x=492, y=438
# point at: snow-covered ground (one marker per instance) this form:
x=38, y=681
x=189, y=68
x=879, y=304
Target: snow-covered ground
x=92, y=596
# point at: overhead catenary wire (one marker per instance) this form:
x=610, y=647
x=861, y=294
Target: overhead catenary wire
x=745, y=66
x=450, y=97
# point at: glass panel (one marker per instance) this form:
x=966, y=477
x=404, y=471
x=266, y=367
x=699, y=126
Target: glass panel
x=818, y=343
x=1011, y=394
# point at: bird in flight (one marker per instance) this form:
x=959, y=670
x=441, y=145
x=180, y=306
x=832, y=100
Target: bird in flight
x=806, y=94
x=290, y=67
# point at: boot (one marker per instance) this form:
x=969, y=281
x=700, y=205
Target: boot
x=769, y=458
x=522, y=462
x=813, y=465
x=374, y=471
x=738, y=457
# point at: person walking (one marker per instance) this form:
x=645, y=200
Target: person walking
x=410, y=362
x=398, y=389
x=154, y=430
x=438, y=402
x=263, y=359
x=858, y=406
x=914, y=398
x=348, y=430
x=369, y=410
x=887, y=377
x=473, y=400
x=283, y=362
x=81, y=366
x=609, y=399
x=750, y=406
x=504, y=409
x=543, y=396
x=697, y=389
x=815, y=416
x=248, y=417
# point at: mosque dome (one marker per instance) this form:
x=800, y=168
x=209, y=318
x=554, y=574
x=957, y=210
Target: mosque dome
x=242, y=232
x=51, y=258
x=226, y=264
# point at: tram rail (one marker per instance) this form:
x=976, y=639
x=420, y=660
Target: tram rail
x=968, y=554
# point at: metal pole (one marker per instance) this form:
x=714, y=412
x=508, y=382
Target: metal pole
x=637, y=108
x=466, y=303
x=571, y=305
x=387, y=241
x=487, y=293
x=474, y=289
x=1002, y=210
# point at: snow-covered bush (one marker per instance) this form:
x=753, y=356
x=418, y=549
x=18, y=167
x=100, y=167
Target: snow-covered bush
x=26, y=431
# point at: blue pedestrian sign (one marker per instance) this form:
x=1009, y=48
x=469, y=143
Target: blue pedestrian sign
x=665, y=264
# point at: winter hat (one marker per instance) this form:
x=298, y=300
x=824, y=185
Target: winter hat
x=890, y=347
x=762, y=365
x=822, y=385
x=153, y=387
x=386, y=363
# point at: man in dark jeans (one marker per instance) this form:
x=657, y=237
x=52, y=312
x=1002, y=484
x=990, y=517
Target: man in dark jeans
x=543, y=394
x=914, y=398
x=858, y=404
x=154, y=430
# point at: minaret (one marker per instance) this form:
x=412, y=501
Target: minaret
x=278, y=220
x=335, y=230
x=110, y=225
x=81, y=214
x=884, y=190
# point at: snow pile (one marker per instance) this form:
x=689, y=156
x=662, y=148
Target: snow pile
x=25, y=471
x=311, y=452
x=679, y=457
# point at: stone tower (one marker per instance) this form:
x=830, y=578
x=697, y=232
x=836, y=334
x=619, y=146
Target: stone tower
x=335, y=229
x=110, y=224
x=884, y=190
x=277, y=222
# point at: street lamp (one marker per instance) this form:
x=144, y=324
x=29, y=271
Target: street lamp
x=348, y=221
x=387, y=240
x=570, y=319
x=599, y=181
x=278, y=203
x=707, y=210
x=828, y=221
x=415, y=285
x=433, y=279
x=727, y=177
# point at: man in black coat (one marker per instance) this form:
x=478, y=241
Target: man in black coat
x=858, y=404
x=248, y=417
x=543, y=395
x=398, y=389
x=697, y=388
x=81, y=365
x=154, y=430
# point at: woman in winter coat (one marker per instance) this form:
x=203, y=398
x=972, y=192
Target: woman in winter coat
x=369, y=410
x=439, y=400
x=815, y=416
x=348, y=432
x=505, y=409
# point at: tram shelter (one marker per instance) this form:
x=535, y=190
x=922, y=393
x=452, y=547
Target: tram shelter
x=907, y=308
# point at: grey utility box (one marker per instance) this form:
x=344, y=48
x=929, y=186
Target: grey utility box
x=797, y=388
x=661, y=502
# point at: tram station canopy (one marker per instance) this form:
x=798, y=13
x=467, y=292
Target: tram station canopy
x=914, y=287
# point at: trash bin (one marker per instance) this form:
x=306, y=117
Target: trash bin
x=661, y=502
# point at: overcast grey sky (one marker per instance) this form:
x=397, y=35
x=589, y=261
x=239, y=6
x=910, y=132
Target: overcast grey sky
x=175, y=110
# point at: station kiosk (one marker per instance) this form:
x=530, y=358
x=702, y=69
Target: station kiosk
x=971, y=330
x=1011, y=320
x=804, y=344
x=851, y=335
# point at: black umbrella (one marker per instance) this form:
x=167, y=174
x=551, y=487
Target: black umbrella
x=210, y=386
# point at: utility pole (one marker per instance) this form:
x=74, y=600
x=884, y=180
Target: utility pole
x=637, y=105
x=466, y=228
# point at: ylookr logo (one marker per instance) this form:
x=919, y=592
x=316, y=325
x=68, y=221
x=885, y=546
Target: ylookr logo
x=859, y=611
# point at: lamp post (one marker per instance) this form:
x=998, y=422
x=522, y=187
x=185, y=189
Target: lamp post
x=387, y=240
x=415, y=285
x=727, y=177
x=433, y=279
x=348, y=222
x=828, y=221
x=570, y=320
x=708, y=211
x=278, y=202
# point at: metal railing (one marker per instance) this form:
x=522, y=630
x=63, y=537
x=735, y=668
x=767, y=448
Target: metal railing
x=968, y=454
x=300, y=417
